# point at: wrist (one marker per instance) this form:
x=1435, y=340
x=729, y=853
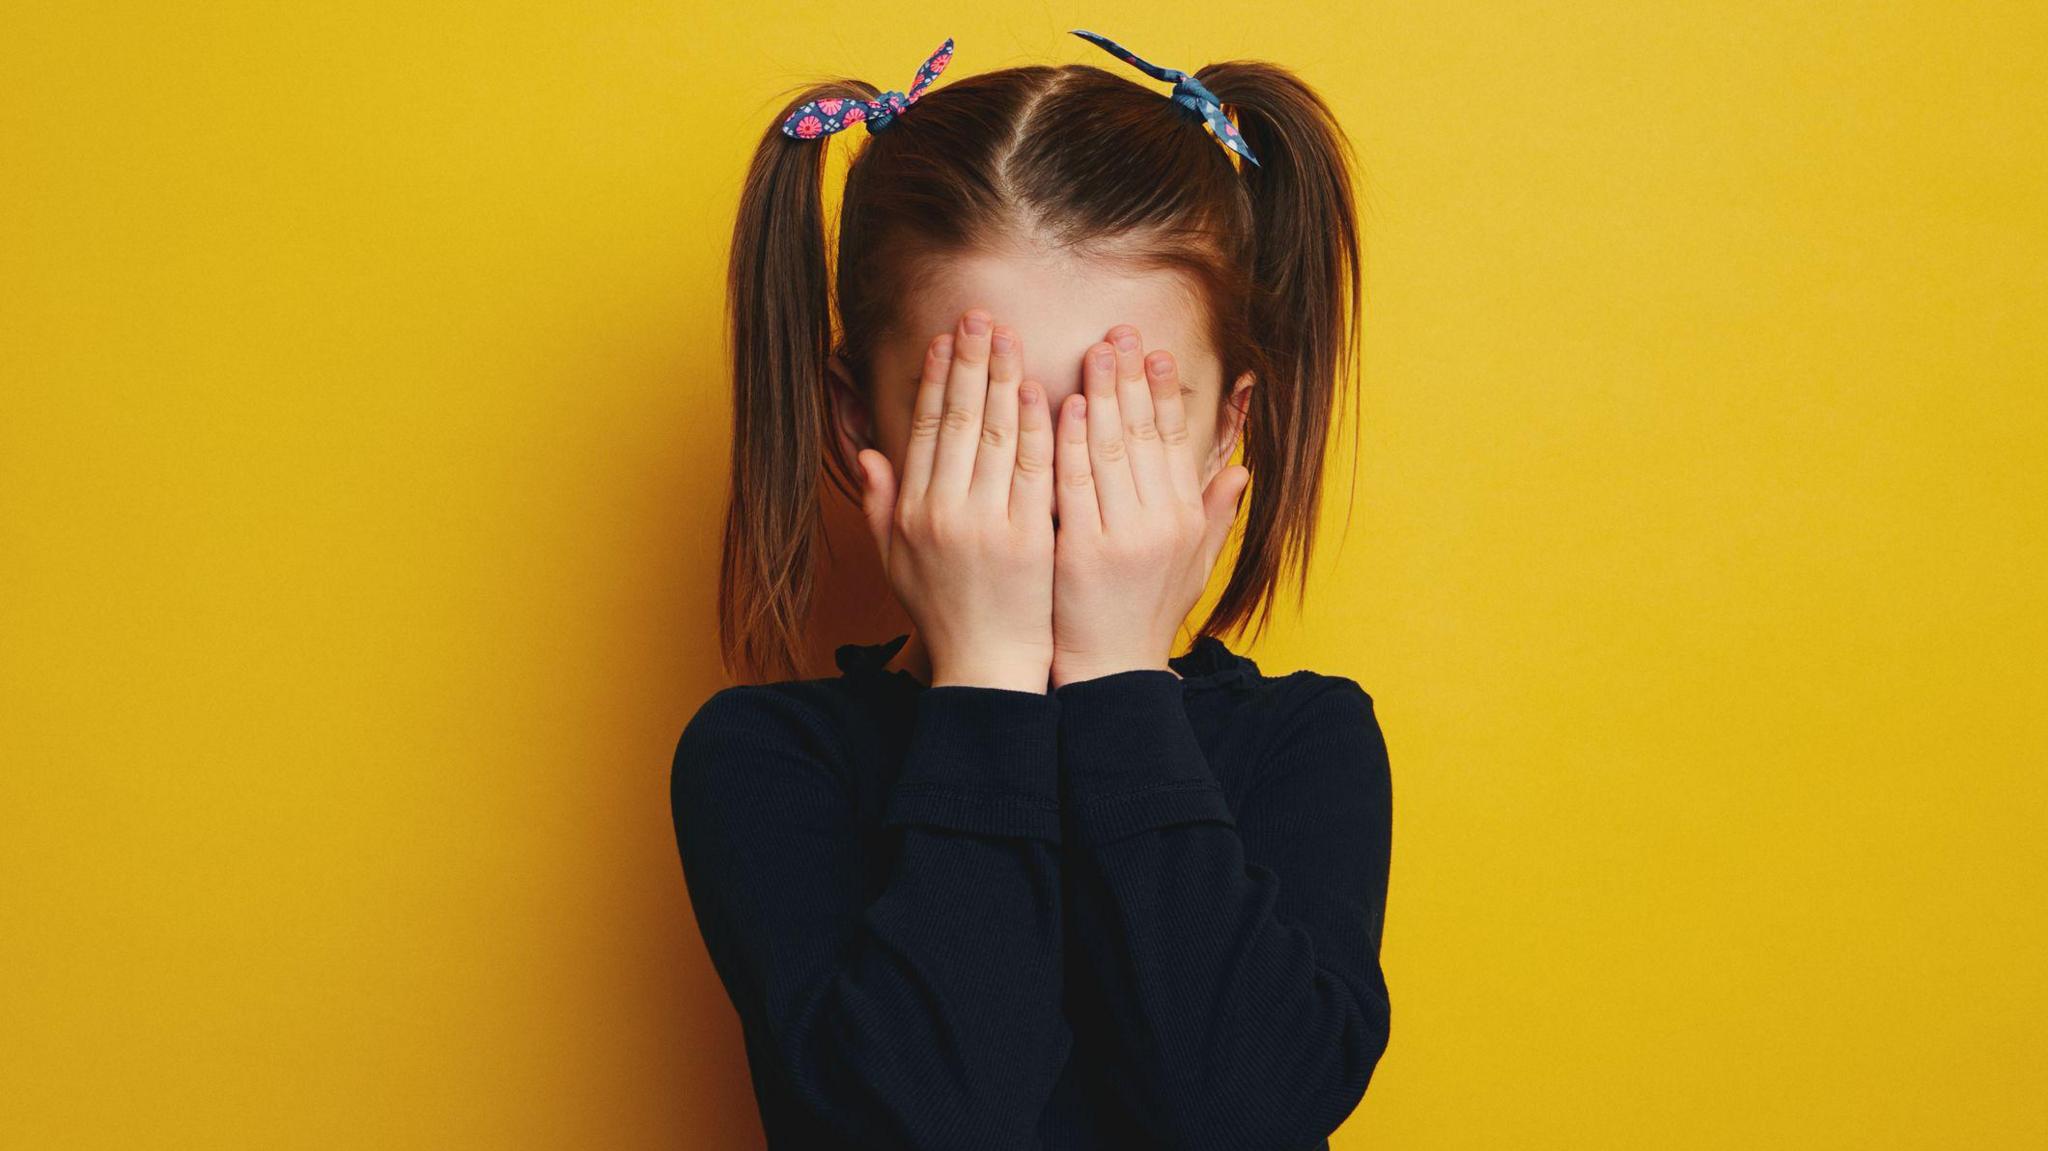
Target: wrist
x=1066, y=673
x=1008, y=678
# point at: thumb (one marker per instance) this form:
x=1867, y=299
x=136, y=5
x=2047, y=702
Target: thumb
x=1220, y=502
x=877, y=497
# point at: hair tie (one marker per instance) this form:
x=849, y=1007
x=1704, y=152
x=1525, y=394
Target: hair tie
x=823, y=117
x=1188, y=92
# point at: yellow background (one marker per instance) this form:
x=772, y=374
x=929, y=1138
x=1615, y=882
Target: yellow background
x=362, y=442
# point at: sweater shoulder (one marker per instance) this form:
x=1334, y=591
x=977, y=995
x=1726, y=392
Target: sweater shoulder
x=1312, y=713
x=792, y=726
x=1277, y=703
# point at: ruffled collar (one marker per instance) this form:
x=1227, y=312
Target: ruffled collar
x=1208, y=663
x=862, y=658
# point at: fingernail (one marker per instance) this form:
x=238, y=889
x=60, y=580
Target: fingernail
x=1080, y=405
x=1127, y=340
x=943, y=346
x=977, y=323
x=1002, y=341
x=1156, y=364
x=1105, y=359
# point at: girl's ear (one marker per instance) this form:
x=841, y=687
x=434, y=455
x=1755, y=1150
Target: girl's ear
x=1230, y=426
x=850, y=414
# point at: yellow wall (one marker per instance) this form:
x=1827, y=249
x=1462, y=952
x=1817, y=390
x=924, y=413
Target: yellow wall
x=361, y=442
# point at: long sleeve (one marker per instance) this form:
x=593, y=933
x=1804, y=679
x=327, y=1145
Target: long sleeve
x=1244, y=1000
x=929, y=1017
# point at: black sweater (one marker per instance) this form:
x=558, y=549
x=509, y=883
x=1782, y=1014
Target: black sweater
x=1136, y=911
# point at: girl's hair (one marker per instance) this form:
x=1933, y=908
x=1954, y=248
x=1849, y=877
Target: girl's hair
x=1075, y=158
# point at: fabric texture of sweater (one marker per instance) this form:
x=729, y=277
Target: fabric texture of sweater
x=1137, y=911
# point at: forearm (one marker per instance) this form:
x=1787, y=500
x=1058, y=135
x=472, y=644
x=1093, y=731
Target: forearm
x=1243, y=1018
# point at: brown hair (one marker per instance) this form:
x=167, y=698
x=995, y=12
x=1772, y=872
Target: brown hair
x=1073, y=157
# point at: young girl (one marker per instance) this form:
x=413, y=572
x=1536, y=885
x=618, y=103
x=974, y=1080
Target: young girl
x=1020, y=877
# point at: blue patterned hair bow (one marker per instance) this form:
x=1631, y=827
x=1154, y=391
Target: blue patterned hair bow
x=824, y=117
x=1188, y=92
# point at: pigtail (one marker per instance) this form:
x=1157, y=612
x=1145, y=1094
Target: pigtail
x=778, y=299
x=1305, y=318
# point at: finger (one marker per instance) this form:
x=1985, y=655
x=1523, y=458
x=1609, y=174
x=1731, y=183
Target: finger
x=960, y=417
x=1108, y=451
x=996, y=458
x=1031, y=485
x=925, y=417
x=1170, y=412
x=1073, y=471
x=877, y=499
x=1219, y=504
x=1141, y=430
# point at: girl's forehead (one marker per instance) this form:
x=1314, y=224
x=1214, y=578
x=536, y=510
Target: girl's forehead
x=1059, y=306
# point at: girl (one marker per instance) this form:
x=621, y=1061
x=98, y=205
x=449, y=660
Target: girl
x=1020, y=877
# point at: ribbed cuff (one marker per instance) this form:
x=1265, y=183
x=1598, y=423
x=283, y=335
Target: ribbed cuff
x=1131, y=758
x=982, y=760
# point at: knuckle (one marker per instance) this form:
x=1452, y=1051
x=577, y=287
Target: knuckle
x=925, y=424
x=1110, y=448
x=1032, y=463
x=995, y=435
x=958, y=417
x=1173, y=435
x=943, y=525
x=1142, y=430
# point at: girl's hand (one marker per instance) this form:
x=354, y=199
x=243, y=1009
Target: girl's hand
x=1138, y=534
x=966, y=537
